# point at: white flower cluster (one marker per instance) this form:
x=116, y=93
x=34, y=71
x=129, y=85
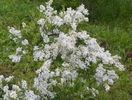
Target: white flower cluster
x=74, y=57
x=17, y=38
x=16, y=33
x=70, y=17
x=45, y=75
x=93, y=91
x=14, y=92
x=102, y=75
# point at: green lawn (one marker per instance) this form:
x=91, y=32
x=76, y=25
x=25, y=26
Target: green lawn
x=117, y=40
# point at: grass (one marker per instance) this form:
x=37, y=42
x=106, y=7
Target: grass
x=114, y=38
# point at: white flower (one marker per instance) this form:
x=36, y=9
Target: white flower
x=45, y=38
x=45, y=74
x=1, y=78
x=16, y=88
x=24, y=84
x=74, y=26
x=35, y=48
x=69, y=75
x=57, y=21
x=8, y=79
x=25, y=42
x=13, y=94
x=83, y=35
x=39, y=55
x=107, y=87
x=15, y=58
x=5, y=88
x=41, y=21
x=29, y=95
x=81, y=7
x=93, y=90
x=19, y=49
x=67, y=18
x=15, y=32
x=15, y=40
x=66, y=41
x=23, y=24
x=110, y=81
x=42, y=8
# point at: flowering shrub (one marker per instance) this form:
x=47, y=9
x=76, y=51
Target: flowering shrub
x=74, y=62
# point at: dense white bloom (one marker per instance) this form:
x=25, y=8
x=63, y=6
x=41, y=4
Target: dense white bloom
x=45, y=74
x=38, y=55
x=67, y=18
x=66, y=41
x=103, y=75
x=57, y=21
x=68, y=75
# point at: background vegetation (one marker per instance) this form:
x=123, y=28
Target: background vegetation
x=110, y=22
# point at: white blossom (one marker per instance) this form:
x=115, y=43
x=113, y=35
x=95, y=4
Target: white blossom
x=41, y=22
x=8, y=79
x=15, y=58
x=24, y=84
x=23, y=24
x=57, y=21
x=19, y=49
x=42, y=8
x=29, y=95
x=13, y=94
x=16, y=88
x=25, y=42
x=15, y=32
x=107, y=87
